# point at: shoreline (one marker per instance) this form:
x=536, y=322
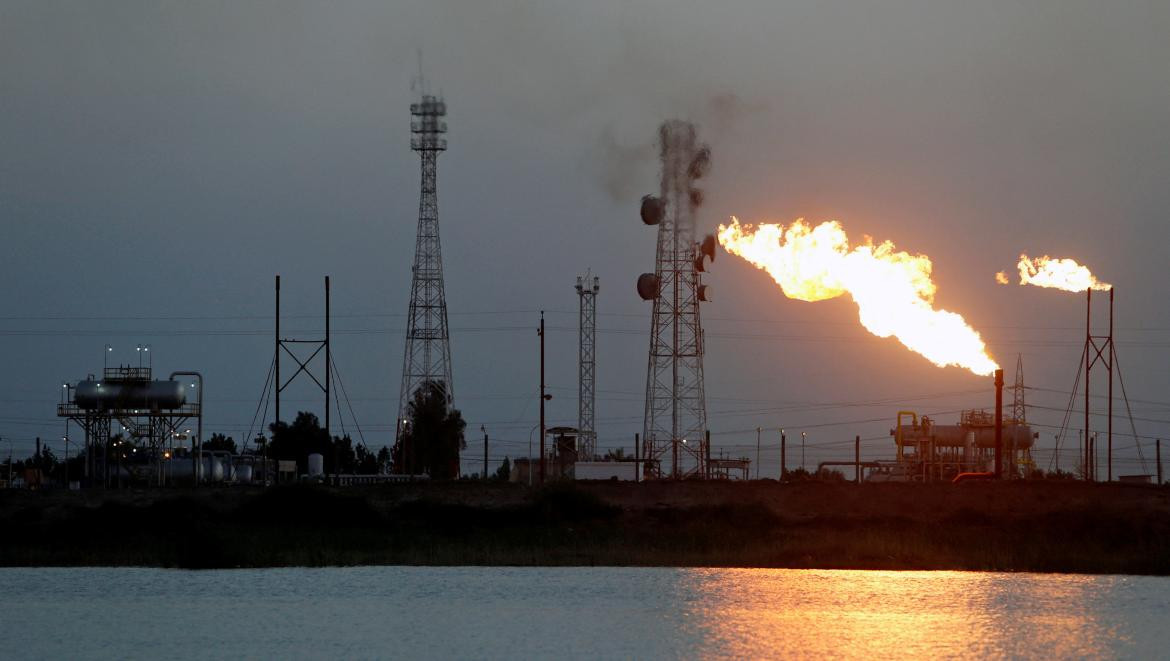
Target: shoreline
x=1043, y=527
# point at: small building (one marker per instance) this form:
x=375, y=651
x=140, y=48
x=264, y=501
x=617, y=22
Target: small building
x=624, y=471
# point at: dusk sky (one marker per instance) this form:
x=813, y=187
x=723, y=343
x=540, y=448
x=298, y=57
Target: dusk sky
x=160, y=162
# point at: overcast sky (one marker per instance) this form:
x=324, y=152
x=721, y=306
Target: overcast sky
x=161, y=161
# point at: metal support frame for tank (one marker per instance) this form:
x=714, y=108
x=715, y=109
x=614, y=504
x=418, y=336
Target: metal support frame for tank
x=321, y=345
x=197, y=447
x=157, y=426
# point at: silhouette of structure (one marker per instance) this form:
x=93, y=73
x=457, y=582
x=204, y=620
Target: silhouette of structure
x=586, y=368
x=427, y=355
x=289, y=347
x=1021, y=457
x=675, y=427
x=150, y=414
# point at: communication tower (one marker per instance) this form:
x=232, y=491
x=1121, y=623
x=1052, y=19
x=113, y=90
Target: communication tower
x=675, y=427
x=586, y=368
x=427, y=356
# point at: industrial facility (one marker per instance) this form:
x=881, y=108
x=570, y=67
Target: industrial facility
x=139, y=430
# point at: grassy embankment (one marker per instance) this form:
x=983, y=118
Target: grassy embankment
x=1063, y=527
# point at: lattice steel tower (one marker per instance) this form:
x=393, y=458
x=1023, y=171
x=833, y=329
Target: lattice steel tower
x=427, y=356
x=586, y=368
x=675, y=427
x=1019, y=414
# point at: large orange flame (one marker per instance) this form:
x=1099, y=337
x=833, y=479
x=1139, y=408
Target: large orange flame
x=892, y=289
x=1063, y=274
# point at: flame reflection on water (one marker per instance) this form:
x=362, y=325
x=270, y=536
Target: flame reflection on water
x=884, y=614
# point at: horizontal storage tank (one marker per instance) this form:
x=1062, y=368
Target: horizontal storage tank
x=149, y=395
x=955, y=436
x=178, y=470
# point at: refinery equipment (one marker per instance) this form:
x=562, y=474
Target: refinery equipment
x=675, y=423
x=927, y=451
x=132, y=423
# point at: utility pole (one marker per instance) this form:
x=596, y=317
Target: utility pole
x=783, y=449
x=638, y=456
x=758, y=431
x=485, y=451
x=542, y=395
x=1158, y=458
x=857, y=459
x=276, y=357
x=998, y=424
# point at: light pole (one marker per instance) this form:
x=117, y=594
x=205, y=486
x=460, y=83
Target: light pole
x=403, y=452
x=106, y=359
x=144, y=349
x=758, y=431
x=530, y=431
x=801, y=450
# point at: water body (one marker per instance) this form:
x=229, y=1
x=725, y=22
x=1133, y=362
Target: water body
x=486, y=612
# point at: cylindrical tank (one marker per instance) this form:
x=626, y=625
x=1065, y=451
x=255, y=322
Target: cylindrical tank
x=244, y=474
x=178, y=470
x=316, y=465
x=214, y=469
x=955, y=436
x=148, y=395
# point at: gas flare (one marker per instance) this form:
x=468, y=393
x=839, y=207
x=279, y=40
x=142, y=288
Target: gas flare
x=892, y=289
x=1063, y=274
x=1001, y=278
